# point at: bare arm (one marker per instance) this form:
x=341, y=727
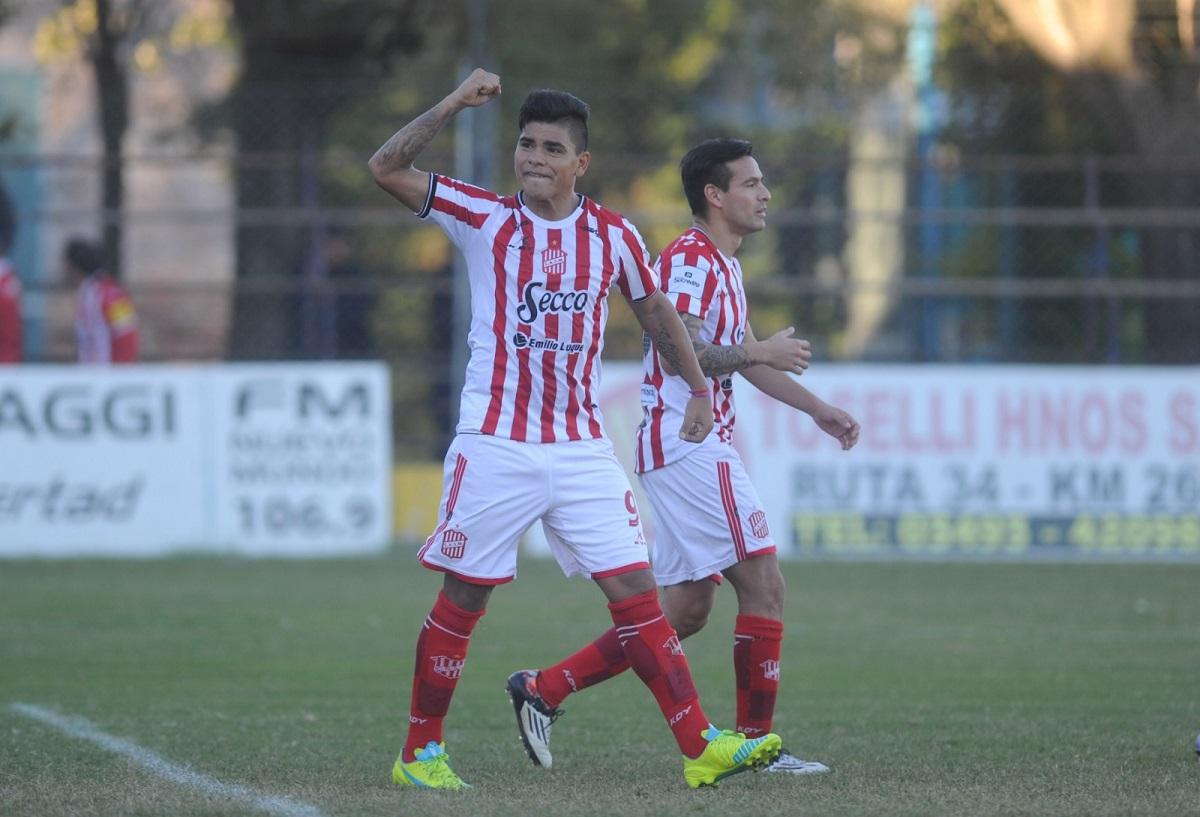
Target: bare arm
x=392, y=164
x=781, y=386
x=715, y=360
x=780, y=351
x=661, y=322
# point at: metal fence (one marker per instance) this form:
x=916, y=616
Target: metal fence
x=1060, y=259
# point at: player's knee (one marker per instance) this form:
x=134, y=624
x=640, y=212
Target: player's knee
x=689, y=619
x=772, y=603
x=466, y=595
x=765, y=597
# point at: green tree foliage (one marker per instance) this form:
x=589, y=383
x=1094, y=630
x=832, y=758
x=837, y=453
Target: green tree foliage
x=659, y=77
x=1130, y=93
x=303, y=63
x=325, y=83
x=115, y=38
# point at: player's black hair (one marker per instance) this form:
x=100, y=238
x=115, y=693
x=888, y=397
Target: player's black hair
x=707, y=163
x=84, y=254
x=557, y=107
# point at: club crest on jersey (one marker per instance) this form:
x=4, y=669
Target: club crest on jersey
x=446, y=666
x=758, y=524
x=554, y=262
x=770, y=669
x=454, y=543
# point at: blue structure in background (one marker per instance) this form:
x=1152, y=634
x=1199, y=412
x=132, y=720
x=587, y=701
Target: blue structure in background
x=921, y=47
x=19, y=95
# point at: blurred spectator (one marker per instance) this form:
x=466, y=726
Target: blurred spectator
x=354, y=302
x=106, y=324
x=10, y=310
x=10, y=286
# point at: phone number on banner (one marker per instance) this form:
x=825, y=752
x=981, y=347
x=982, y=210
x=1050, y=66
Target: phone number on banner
x=999, y=535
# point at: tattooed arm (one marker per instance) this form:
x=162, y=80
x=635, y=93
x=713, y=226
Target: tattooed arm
x=780, y=351
x=661, y=322
x=392, y=163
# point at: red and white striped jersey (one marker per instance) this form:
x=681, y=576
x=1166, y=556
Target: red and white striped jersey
x=106, y=325
x=700, y=281
x=538, y=308
x=10, y=313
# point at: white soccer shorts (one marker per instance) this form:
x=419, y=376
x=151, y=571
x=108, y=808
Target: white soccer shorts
x=494, y=488
x=707, y=515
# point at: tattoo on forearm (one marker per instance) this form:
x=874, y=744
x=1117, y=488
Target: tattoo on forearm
x=719, y=360
x=409, y=141
x=667, y=349
x=715, y=360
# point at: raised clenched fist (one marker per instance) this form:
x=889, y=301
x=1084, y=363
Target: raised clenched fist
x=478, y=89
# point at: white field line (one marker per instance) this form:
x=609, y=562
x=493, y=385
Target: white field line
x=155, y=763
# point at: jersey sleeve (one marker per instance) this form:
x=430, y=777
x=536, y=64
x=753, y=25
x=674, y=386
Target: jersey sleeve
x=460, y=209
x=119, y=314
x=10, y=320
x=636, y=279
x=122, y=322
x=689, y=280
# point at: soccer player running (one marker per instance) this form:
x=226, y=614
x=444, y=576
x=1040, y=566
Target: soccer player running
x=529, y=443
x=709, y=520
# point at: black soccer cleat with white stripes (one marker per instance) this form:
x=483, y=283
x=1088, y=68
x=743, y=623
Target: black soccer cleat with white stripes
x=787, y=763
x=535, y=718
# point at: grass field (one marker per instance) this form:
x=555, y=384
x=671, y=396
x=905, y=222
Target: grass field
x=931, y=689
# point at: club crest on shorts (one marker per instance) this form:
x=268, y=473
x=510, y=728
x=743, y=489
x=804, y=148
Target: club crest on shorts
x=446, y=666
x=454, y=543
x=758, y=524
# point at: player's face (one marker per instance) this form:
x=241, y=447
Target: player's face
x=546, y=161
x=744, y=204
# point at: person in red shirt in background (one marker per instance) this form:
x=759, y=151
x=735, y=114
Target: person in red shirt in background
x=10, y=310
x=106, y=324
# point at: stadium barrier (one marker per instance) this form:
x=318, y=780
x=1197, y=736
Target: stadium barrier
x=256, y=459
x=996, y=462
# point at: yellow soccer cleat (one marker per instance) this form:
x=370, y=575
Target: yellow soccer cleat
x=729, y=753
x=430, y=770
